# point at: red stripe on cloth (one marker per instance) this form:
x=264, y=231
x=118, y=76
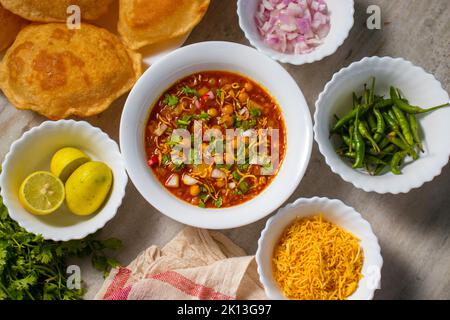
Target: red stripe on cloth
x=118, y=283
x=121, y=294
x=189, y=287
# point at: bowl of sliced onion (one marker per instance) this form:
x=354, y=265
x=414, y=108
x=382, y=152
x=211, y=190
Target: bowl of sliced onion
x=296, y=31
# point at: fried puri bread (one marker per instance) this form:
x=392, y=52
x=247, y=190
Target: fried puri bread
x=55, y=10
x=59, y=72
x=145, y=22
x=10, y=25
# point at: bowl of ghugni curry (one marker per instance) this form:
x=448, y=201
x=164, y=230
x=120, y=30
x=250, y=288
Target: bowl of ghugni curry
x=216, y=135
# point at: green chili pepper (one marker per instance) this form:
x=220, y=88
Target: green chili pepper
x=372, y=92
x=398, y=142
x=394, y=94
x=392, y=148
x=380, y=125
x=403, y=146
x=351, y=131
x=404, y=125
x=395, y=162
x=384, y=143
x=350, y=116
x=375, y=160
x=347, y=140
x=364, y=131
x=360, y=146
x=415, y=130
x=379, y=169
x=356, y=101
x=393, y=117
x=372, y=121
x=351, y=155
x=384, y=104
x=393, y=125
x=406, y=107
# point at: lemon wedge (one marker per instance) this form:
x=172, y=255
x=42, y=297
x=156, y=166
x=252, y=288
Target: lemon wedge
x=41, y=193
x=66, y=161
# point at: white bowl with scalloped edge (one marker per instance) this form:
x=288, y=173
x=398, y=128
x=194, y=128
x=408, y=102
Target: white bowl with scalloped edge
x=336, y=212
x=33, y=152
x=341, y=22
x=419, y=87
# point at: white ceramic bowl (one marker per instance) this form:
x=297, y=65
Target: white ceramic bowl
x=334, y=211
x=419, y=87
x=216, y=56
x=341, y=19
x=33, y=152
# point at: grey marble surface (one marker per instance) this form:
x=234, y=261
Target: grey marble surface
x=413, y=228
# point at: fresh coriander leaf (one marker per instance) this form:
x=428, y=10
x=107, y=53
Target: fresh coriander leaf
x=184, y=121
x=236, y=175
x=32, y=268
x=189, y=91
x=218, y=203
x=255, y=112
x=171, y=100
x=178, y=166
x=204, y=196
x=243, y=167
x=201, y=116
x=166, y=159
x=202, y=204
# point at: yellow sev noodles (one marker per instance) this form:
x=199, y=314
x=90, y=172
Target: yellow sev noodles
x=317, y=260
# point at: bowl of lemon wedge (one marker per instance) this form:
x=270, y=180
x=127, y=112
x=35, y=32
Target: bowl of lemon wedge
x=63, y=180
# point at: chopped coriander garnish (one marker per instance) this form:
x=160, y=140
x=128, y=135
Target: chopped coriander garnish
x=244, y=187
x=178, y=166
x=236, y=176
x=171, y=100
x=189, y=91
x=203, y=196
x=201, y=116
x=184, y=121
x=218, y=203
x=201, y=204
x=243, y=167
x=255, y=112
x=175, y=139
x=267, y=168
x=219, y=93
x=166, y=159
x=244, y=125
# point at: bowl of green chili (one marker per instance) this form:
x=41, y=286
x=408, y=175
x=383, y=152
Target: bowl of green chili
x=382, y=124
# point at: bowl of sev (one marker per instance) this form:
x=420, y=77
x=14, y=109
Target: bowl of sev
x=319, y=249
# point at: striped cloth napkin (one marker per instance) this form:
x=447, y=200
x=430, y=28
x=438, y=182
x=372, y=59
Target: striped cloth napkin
x=196, y=265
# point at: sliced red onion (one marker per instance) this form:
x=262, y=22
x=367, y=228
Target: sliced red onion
x=293, y=26
x=160, y=130
x=188, y=180
x=173, y=181
x=210, y=95
x=218, y=174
